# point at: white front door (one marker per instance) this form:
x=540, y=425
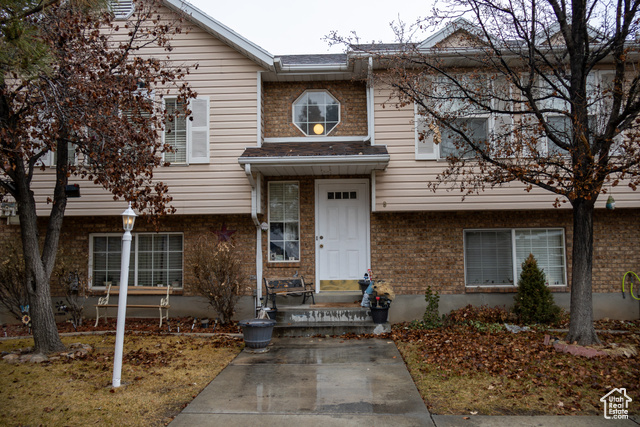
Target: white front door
x=342, y=233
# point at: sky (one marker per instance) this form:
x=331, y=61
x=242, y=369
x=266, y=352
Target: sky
x=286, y=27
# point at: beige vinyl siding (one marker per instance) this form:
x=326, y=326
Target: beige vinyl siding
x=403, y=186
x=229, y=80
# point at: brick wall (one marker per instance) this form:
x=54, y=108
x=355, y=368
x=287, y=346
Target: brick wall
x=278, y=99
x=74, y=240
x=412, y=249
x=419, y=249
x=306, y=267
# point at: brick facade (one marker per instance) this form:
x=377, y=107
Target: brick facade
x=306, y=267
x=411, y=249
x=76, y=231
x=278, y=99
x=419, y=249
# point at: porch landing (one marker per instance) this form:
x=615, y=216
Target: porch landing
x=335, y=313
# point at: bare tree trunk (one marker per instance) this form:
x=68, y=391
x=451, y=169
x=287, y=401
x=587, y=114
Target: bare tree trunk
x=581, y=323
x=38, y=269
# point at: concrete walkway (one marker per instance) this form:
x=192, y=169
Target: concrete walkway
x=332, y=382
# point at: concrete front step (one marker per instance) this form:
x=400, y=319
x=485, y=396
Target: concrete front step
x=324, y=328
x=320, y=298
x=326, y=319
x=305, y=314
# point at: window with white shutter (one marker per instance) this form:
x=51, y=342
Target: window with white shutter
x=189, y=136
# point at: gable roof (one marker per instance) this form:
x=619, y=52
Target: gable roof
x=451, y=28
x=222, y=32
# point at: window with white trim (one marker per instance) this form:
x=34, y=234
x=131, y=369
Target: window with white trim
x=156, y=259
x=556, y=94
x=495, y=257
x=316, y=112
x=51, y=158
x=436, y=141
x=189, y=136
x=284, y=221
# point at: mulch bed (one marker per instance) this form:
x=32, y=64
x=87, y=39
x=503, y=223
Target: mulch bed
x=148, y=325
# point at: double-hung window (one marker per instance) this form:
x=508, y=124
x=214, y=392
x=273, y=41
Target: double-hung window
x=156, y=259
x=555, y=99
x=284, y=221
x=435, y=140
x=51, y=157
x=495, y=257
x=188, y=136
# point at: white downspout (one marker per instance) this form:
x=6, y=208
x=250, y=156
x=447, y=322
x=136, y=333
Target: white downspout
x=254, y=217
x=371, y=135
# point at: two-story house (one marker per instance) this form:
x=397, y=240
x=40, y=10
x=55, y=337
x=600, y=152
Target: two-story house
x=298, y=158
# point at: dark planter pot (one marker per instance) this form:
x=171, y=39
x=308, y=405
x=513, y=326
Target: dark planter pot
x=257, y=332
x=364, y=284
x=272, y=313
x=379, y=314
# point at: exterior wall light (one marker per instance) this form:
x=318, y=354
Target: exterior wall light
x=264, y=226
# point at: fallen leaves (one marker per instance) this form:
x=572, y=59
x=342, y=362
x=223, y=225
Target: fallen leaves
x=509, y=369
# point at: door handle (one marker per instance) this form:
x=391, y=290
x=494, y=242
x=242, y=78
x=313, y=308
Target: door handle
x=321, y=246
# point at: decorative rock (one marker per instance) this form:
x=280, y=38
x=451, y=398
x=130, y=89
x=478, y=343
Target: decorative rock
x=382, y=328
x=577, y=350
x=39, y=358
x=11, y=358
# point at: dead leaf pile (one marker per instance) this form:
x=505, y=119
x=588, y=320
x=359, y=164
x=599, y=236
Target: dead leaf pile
x=462, y=350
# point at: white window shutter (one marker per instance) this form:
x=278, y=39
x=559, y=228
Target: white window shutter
x=121, y=9
x=198, y=130
x=47, y=160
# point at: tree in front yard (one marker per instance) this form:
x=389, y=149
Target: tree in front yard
x=219, y=278
x=86, y=103
x=545, y=93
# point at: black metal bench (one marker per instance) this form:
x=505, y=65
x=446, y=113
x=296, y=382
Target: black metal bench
x=285, y=287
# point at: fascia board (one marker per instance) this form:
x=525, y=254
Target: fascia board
x=321, y=68
x=377, y=159
x=223, y=32
x=336, y=139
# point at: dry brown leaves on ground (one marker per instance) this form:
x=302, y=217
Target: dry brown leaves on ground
x=161, y=374
x=512, y=373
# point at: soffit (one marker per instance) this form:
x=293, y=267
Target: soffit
x=315, y=158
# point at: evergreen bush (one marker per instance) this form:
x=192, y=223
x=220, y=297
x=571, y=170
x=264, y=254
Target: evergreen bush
x=534, y=302
x=431, y=317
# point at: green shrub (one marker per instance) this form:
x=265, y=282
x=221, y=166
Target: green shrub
x=431, y=318
x=534, y=302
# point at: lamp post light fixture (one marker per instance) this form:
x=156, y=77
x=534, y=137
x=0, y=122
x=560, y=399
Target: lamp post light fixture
x=128, y=219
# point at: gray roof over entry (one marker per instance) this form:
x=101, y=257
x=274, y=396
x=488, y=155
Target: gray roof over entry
x=315, y=158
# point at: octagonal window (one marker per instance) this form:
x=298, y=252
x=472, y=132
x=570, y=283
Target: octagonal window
x=316, y=112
